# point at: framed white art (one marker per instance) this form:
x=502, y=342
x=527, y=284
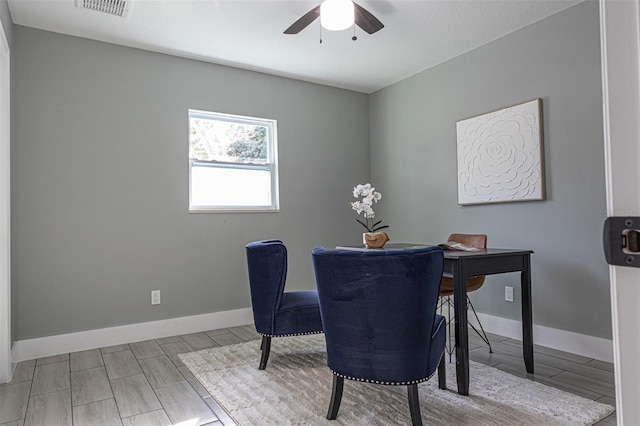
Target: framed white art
x=500, y=156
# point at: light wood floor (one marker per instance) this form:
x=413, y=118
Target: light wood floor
x=145, y=383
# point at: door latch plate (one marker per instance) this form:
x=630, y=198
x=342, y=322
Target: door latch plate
x=621, y=240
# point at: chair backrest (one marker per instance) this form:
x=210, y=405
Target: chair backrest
x=472, y=240
x=267, y=264
x=378, y=309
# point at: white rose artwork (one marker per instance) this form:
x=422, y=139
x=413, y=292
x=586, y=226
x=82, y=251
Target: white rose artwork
x=500, y=156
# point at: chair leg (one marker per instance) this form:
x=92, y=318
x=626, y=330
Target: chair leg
x=446, y=300
x=482, y=335
x=414, y=405
x=336, y=397
x=449, y=346
x=265, y=347
x=442, y=373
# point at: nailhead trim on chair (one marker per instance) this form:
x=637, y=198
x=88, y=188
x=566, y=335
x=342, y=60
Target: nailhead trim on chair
x=412, y=382
x=289, y=335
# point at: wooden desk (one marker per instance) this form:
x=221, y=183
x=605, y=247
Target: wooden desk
x=464, y=264
x=461, y=265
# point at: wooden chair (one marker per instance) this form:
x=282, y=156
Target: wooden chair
x=473, y=284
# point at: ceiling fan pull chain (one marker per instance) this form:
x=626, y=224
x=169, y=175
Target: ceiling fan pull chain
x=354, y=38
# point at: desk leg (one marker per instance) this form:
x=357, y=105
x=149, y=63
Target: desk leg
x=527, y=315
x=462, y=331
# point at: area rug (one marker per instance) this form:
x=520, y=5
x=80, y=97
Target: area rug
x=296, y=386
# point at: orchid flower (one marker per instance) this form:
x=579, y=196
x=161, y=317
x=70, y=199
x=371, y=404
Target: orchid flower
x=365, y=206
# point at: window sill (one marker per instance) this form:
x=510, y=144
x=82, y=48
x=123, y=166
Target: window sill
x=233, y=210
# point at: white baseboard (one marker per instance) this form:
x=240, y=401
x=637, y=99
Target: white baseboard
x=92, y=339
x=581, y=344
x=589, y=346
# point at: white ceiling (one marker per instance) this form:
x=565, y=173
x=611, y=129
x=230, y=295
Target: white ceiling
x=248, y=34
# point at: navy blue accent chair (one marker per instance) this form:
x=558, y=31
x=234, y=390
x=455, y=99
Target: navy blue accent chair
x=276, y=313
x=379, y=317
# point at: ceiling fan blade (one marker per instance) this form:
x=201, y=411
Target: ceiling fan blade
x=304, y=21
x=365, y=20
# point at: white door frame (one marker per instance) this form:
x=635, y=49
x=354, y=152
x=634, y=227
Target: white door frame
x=5, y=211
x=620, y=48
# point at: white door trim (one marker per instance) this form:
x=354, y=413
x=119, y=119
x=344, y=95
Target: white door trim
x=5, y=211
x=620, y=49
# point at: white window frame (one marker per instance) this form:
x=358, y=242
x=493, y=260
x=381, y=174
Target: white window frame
x=270, y=166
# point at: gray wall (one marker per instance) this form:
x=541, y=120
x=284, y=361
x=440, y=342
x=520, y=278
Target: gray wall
x=413, y=145
x=100, y=182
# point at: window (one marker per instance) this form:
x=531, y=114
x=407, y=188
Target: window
x=232, y=163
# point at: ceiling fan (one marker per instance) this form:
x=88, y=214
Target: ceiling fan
x=361, y=17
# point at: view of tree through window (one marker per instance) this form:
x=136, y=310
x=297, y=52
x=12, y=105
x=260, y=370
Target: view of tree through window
x=232, y=163
x=227, y=141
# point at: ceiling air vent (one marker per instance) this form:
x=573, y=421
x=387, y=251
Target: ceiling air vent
x=112, y=7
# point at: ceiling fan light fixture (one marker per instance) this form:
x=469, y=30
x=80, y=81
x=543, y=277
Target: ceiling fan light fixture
x=337, y=15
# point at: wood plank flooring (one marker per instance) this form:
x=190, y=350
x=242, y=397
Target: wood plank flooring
x=145, y=383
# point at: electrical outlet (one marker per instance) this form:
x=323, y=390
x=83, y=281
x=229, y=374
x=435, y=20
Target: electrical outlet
x=508, y=293
x=155, y=297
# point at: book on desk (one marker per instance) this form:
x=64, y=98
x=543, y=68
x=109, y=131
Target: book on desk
x=456, y=246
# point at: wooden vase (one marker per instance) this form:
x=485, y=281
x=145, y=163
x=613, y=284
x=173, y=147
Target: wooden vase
x=375, y=240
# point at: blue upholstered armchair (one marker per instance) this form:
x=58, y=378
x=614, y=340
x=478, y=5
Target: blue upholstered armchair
x=379, y=317
x=276, y=313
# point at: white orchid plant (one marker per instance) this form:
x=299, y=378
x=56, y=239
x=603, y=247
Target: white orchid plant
x=365, y=206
